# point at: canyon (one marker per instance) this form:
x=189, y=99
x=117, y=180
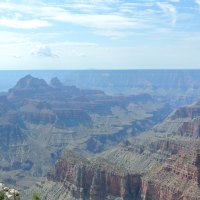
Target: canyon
x=162, y=165
x=65, y=142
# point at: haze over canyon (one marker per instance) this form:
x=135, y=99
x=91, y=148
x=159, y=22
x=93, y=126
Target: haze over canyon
x=87, y=138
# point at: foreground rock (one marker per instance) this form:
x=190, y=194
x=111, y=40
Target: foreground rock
x=78, y=178
x=8, y=193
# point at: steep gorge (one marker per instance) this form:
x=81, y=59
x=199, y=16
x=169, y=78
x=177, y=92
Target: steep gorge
x=50, y=118
x=162, y=164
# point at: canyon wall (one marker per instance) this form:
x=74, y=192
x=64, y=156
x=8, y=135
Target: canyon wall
x=95, y=180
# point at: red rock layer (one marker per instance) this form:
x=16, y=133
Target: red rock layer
x=95, y=183
x=191, y=129
x=177, y=179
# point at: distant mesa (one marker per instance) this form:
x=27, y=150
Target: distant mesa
x=31, y=83
x=55, y=83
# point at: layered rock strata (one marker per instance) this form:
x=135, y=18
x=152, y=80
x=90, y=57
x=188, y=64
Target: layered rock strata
x=165, y=164
x=95, y=179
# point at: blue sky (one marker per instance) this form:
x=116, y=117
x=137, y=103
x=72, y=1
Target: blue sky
x=99, y=34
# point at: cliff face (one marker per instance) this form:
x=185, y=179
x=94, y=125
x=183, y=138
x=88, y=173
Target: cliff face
x=176, y=179
x=190, y=118
x=191, y=129
x=197, y=163
x=95, y=180
x=178, y=176
x=159, y=165
x=41, y=112
x=69, y=118
x=184, y=112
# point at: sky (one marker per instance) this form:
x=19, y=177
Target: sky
x=99, y=34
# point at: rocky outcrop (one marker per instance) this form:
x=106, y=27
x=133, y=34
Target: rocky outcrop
x=56, y=83
x=8, y=193
x=197, y=164
x=187, y=171
x=30, y=83
x=95, y=180
x=158, y=192
x=187, y=112
x=28, y=87
x=191, y=128
x=176, y=179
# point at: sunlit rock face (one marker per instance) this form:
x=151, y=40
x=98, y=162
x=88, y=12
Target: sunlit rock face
x=95, y=180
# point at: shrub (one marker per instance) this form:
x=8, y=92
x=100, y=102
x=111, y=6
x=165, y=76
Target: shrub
x=2, y=196
x=35, y=196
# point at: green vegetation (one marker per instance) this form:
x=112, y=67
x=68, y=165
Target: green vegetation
x=2, y=196
x=36, y=196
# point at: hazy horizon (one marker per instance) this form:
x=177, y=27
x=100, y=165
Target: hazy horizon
x=93, y=78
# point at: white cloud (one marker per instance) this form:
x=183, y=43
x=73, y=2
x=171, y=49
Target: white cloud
x=12, y=38
x=44, y=51
x=17, y=56
x=198, y=2
x=170, y=10
x=142, y=24
x=175, y=1
x=24, y=24
x=75, y=44
x=96, y=21
x=113, y=34
x=110, y=20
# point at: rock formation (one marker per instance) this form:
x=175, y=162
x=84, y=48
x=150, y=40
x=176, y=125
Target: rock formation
x=97, y=179
x=56, y=83
x=110, y=159
x=8, y=193
x=38, y=117
x=162, y=164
